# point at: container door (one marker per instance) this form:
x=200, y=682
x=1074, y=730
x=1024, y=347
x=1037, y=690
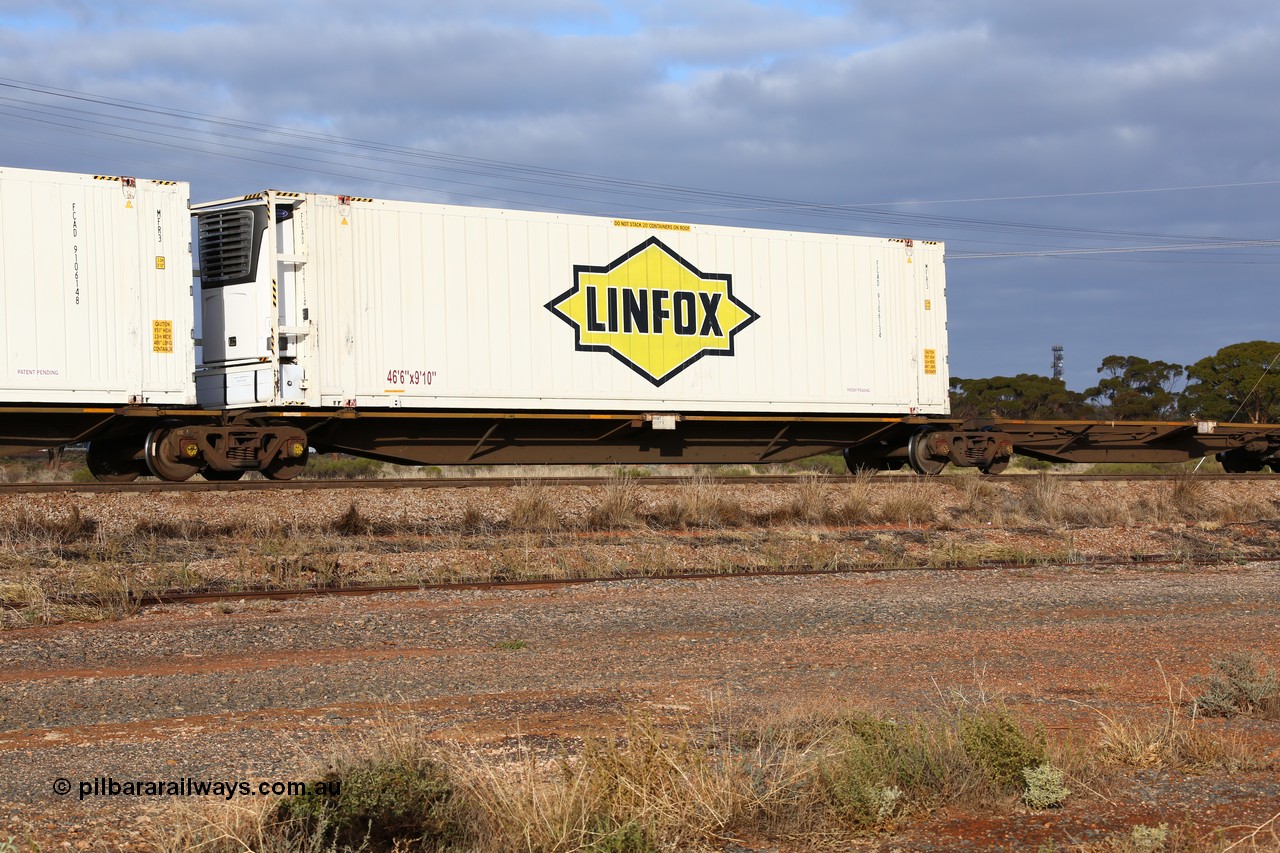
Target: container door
x=236, y=285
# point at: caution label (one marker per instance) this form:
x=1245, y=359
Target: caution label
x=931, y=362
x=162, y=336
x=650, y=226
x=653, y=311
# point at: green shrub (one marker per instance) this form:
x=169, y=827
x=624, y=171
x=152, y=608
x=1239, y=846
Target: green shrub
x=880, y=767
x=1000, y=748
x=375, y=803
x=336, y=467
x=629, y=837
x=1146, y=839
x=1046, y=787
x=1237, y=686
x=1026, y=463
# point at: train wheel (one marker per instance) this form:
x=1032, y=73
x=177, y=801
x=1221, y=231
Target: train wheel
x=283, y=469
x=858, y=464
x=1238, y=462
x=918, y=457
x=111, y=460
x=290, y=463
x=163, y=461
x=996, y=466
x=213, y=475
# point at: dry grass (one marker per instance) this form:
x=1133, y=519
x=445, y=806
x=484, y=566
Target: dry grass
x=351, y=523
x=913, y=503
x=651, y=788
x=538, y=531
x=829, y=772
x=823, y=770
x=1239, y=685
x=24, y=527
x=533, y=511
x=619, y=508
x=1176, y=738
x=701, y=503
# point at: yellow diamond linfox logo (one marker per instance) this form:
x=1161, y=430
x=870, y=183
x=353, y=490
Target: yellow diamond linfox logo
x=653, y=311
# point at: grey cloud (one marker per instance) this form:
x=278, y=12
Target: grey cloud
x=870, y=102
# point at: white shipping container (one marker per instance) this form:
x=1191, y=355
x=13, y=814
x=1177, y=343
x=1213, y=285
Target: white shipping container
x=321, y=300
x=95, y=290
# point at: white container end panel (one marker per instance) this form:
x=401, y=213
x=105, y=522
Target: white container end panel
x=95, y=290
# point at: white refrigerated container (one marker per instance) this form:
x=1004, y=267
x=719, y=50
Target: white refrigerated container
x=95, y=290
x=322, y=300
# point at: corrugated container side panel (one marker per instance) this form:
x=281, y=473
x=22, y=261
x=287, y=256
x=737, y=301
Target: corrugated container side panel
x=892, y=349
x=906, y=360
x=105, y=246
x=6, y=278
x=347, y=304
x=479, y=318
x=324, y=293
x=901, y=347
x=46, y=320
x=829, y=366
x=842, y=320
x=166, y=297
x=873, y=372
x=382, y=324
x=806, y=324
x=412, y=319
x=18, y=261
x=457, y=347
x=85, y=358
x=559, y=361
x=515, y=306
x=501, y=341
x=437, y=303
x=537, y=239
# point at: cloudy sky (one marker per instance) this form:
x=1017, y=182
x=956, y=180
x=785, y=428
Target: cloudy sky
x=1038, y=139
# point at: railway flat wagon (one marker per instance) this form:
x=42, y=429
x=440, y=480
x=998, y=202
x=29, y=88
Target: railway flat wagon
x=428, y=333
x=436, y=334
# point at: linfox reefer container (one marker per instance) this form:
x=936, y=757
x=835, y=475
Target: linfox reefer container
x=321, y=300
x=95, y=290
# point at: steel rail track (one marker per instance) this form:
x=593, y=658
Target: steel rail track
x=510, y=482
x=209, y=596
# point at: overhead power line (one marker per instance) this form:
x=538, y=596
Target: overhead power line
x=1112, y=250
x=490, y=180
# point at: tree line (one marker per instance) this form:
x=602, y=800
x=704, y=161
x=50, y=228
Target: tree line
x=1240, y=382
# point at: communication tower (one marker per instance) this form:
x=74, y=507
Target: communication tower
x=1057, y=361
